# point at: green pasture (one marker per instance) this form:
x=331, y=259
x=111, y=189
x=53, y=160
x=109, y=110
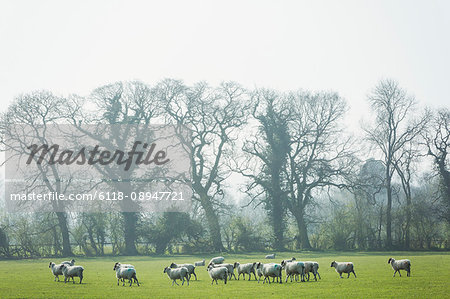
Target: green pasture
x=430, y=278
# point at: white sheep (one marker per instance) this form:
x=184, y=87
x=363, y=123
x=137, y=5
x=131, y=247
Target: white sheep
x=70, y=263
x=217, y=260
x=293, y=269
x=312, y=267
x=125, y=271
x=71, y=272
x=198, y=264
x=190, y=267
x=245, y=269
x=270, y=256
x=177, y=273
x=343, y=267
x=230, y=268
x=217, y=273
x=56, y=269
x=272, y=270
x=400, y=265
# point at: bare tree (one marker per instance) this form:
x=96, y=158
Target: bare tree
x=320, y=156
x=437, y=138
x=391, y=132
x=214, y=116
x=38, y=110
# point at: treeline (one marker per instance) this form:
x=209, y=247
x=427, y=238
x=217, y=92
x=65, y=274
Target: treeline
x=270, y=171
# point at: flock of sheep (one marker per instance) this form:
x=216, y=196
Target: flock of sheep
x=218, y=270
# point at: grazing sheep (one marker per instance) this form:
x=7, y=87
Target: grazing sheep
x=125, y=271
x=272, y=270
x=270, y=256
x=71, y=263
x=71, y=272
x=230, y=268
x=56, y=269
x=177, y=273
x=400, y=265
x=217, y=260
x=218, y=273
x=312, y=267
x=343, y=267
x=245, y=269
x=293, y=269
x=190, y=267
x=198, y=264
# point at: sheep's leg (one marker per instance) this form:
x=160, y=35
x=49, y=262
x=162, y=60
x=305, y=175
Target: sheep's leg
x=399, y=273
x=318, y=275
x=255, y=275
x=341, y=275
x=193, y=272
x=81, y=278
x=394, y=273
x=182, y=279
x=216, y=282
x=123, y=282
x=354, y=273
x=349, y=274
x=189, y=279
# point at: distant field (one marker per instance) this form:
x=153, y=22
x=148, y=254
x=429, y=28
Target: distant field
x=430, y=278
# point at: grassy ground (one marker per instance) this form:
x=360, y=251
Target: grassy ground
x=430, y=278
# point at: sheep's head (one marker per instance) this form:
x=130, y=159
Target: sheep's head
x=236, y=264
x=294, y=259
x=173, y=265
x=116, y=266
x=333, y=264
x=390, y=259
x=63, y=267
x=73, y=261
x=166, y=269
x=51, y=264
x=258, y=265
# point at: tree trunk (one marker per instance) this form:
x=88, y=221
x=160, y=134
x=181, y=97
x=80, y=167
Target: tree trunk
x=302, y=230
x=130, y=220
x=62, y=220
x=213, y=223
x=388, y=209
x=278, y=224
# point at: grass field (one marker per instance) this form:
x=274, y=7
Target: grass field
x=430, y=278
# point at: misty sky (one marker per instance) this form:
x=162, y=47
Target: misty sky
x=346, y=46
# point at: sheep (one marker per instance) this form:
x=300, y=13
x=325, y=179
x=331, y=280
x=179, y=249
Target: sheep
x=271, y=270
x=343, y=267
x=400, y=265
x=218, y=273
x=198, y=264
x=270, y=256
x=190, y=267
x=125, y=271
x=258, y=270
x=177, y=273
x=71, y=272
x=56, y=270
x=217, y=260
x=312, y=267
x=71, y=263
x=294, y=268
x=230, y=268
x=245, y=269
